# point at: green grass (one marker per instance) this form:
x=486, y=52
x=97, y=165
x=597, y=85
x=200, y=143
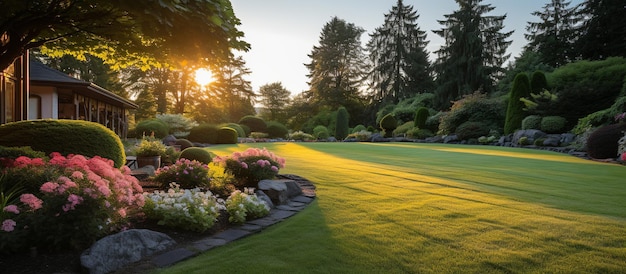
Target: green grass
x=418, y=208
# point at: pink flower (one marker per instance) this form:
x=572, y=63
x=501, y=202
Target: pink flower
x=122, y=212
x=105, y=191
x=31, y=200
x=48, y=187
x=275, y=169
x=8, y=225
x=244, y=165
x=73, y=200
x=12, y=209
x=78, y=175
x=261, y=163
x=624, y=156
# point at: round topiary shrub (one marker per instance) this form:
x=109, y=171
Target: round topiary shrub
x=359, y=128
x=276, y=130
x=538, y=82
x=66, y=137
x=237, y=127
x=183, y=143
x=553, y=124
x=388, y=123
x=197, y=153
x=321, y=132
x=419, y=133
x=421, y=115
x=255, y=124
x=147, y=127
x=531, y=122
x=470, y=130
x=226, y=135
x=205, y=133
x=602, y=143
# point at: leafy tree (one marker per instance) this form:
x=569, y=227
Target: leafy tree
x=475, y=49
x=602, y=33
x=121, y=32
x=274, y=97
x=515, y=110
x=397, y=51
x=554, y=35
x=337, y=66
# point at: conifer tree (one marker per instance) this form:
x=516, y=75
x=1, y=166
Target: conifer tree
x=515, y=110
x=602, y=33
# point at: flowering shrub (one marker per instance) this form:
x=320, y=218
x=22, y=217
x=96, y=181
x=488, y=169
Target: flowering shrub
x=242, y=206
x=189, y=209
x=252, y=165
x=301, y=136
x=83, y=200
x=186, y=173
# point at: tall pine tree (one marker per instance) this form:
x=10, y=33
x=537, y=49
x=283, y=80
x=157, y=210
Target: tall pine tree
x=473, y=54
x=554, y=35
x=397, y=52
x=603, y=33
x=337, y=66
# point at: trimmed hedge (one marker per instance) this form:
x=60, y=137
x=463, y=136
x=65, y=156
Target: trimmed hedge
x=66, y=137
x=205, y=133
x=255, y=124
x=226, y=135
x=147, y=127
x=421, y=115
x=237, y=127
x=196, y=153
x=276, y=130
x=183, y=143
x=469, y=130
x=553, y=124
x=388, y=123
x=531, y=122
x=321, y=132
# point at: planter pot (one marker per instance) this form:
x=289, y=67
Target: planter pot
x=154, y=161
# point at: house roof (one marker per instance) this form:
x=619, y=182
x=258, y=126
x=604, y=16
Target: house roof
x=42, y=75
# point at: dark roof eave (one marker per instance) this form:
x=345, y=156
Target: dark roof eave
x=88, y=87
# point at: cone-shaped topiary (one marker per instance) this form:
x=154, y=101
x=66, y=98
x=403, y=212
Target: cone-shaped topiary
x=66, y=137
x=388, y=123
x=196, y=153
x=515, y=111
x=538, y=82
x=421, y=115
x=342, y=128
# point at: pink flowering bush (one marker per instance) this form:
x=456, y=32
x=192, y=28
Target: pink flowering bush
x=67, y=202
x=252, y=165
x=186, y=173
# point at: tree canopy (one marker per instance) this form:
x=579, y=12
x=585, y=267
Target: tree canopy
x=143, y=33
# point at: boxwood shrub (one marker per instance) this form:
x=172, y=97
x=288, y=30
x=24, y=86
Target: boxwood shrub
x=66, y=137
x=147, y=127
x=205, y=133
x=531, y=122
x=226, y=135
x=553, y=124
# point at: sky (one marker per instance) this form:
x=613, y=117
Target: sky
x=283, y=32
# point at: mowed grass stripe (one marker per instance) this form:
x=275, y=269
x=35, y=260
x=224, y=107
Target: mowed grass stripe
x=379, y=212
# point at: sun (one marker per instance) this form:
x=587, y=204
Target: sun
x=204, y=76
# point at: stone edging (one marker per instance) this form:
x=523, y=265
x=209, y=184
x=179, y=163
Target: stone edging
x=181, y=253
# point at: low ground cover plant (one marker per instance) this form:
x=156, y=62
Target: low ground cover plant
x=242, y=206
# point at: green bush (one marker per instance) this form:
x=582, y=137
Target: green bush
x=404, y=128
x=553, y=124
x=196, y=153
x=183, y=143
x=539, y=142
x=421, y=115
x=66, y=137
x=515, y=110
x=419, y=133
x=473, y=108
x=205, y=133
x=276, y=130
x=301, y=136
x=433, y=122
x=255, y=124
x=469, y=130
x=388, y=123
x=342, y=127
x=177, y=124
x=359, y=128
x=226, y=135
x=148, y=127
x=538, y=82
x=14, y=152
x=605, y=116
x=531, y=122
x=237, y=127
x=321, y=132
x=246, y=130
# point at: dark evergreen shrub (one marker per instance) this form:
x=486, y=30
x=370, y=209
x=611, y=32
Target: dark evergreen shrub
x=421, y=115
x=197, y=153
x=531, y=122
x=515, y=111
x=226, y=135
x=371, y=129
x=147, y=127
x=602, y=143
x=183, y=143
x=469, y=130
x=276, y=130
x=205, y=133
x=342, y=127
x=359, y=128
x=388, y=123
x=553, y=124
x=321, y=132
x=255, y=124
x=66, y=137
x=538, y=82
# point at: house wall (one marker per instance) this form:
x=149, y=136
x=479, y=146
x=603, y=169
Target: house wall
x=49, y=101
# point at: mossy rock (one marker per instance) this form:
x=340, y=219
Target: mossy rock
x=66, y=137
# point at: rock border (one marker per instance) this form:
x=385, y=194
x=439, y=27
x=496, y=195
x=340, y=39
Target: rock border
x=179, y=253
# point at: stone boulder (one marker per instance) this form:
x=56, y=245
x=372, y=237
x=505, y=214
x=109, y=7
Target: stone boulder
x=263, y=197
x=450, y=139
x=531, y=134
x=118, y=250
x=280, y=191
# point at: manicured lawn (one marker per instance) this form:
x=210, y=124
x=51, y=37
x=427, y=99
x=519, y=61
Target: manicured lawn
x=415, y=208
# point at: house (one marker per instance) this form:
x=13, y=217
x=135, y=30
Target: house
x=51, y=94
